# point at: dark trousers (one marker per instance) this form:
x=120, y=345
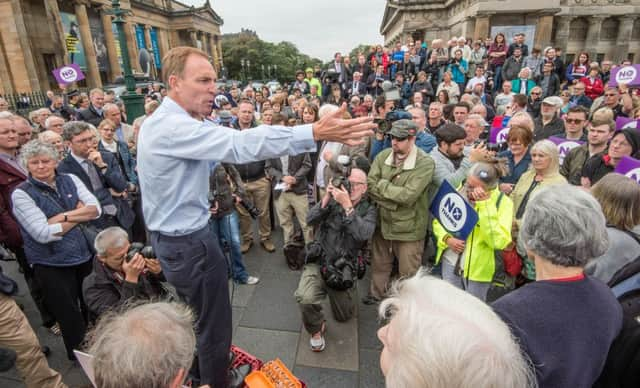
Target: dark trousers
x=62, y=290
x=35, y=289
x=195, y=266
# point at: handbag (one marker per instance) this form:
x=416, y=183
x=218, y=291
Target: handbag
x=512, y=261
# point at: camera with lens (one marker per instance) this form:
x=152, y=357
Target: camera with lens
x=145, y=251
x=384, y=125
x=253, y=211
x=339, y=274
x=341, y=176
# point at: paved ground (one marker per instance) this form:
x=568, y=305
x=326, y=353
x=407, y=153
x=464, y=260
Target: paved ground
x=266, y=323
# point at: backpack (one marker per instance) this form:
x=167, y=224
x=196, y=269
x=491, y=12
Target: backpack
x=623, y=361
x=295, y=252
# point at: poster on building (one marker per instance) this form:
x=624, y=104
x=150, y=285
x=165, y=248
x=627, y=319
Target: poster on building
x=116, y=37
x=71, y=32
x=140, y=37
x=156, y=48
x=97, y=36
x=510, y=31
x=144, y=57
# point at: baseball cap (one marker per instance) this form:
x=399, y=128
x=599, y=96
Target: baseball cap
x=403, y=129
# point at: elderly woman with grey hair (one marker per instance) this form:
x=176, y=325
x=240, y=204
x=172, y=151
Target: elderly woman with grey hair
x=439, y=336
x=49, y=208
x=565, y=321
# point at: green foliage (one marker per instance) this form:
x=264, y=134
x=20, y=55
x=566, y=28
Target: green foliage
x=283, y=58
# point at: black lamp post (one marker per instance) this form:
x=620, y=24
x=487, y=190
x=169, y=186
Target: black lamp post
x=134, y=103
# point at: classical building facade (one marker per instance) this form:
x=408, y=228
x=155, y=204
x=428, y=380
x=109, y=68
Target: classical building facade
x=603, y=28
x=37, y=36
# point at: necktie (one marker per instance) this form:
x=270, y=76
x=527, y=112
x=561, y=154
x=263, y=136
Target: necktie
x=96, y=183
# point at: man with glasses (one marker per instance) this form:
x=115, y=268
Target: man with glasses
x=398, y=182
x=344, y=221
x=617, y=99
x=579, y=98
x=98, y=171
x=575, y=122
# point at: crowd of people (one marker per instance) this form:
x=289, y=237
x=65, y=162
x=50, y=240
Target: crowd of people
x=80, y=187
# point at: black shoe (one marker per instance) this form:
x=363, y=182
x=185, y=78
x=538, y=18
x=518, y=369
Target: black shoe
x=7, y=359
x=45, y=350
x=370, y=300
x=237, y=375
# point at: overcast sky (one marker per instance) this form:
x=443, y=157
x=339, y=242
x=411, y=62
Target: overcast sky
x=318, y=28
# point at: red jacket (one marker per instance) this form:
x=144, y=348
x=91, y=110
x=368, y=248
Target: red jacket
x=593, y=89
x=9, y=179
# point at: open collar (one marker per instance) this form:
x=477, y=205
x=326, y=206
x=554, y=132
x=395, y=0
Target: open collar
x=409, y=163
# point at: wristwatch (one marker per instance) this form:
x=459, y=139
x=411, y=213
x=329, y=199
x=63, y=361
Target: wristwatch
x=65, y=216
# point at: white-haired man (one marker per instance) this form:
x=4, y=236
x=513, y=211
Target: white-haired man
x=54, y=123
x=94, y=113
x=124, y=132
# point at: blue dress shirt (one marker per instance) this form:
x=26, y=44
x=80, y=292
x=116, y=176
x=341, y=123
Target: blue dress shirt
x=174, y=155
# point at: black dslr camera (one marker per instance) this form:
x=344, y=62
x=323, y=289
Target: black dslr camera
x=340, y=275
x=341, y=177
x=253, y=211
x=146, y=251
x=384, y=125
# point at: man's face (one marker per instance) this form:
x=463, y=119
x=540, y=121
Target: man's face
x=417, y=98
x=361, y=60
x=473, y=130
x=419, y=118
x=599, y=136
x=338, y=58
x=379, y=69
x=82, y=144
x=402, y=147
x=578, y=89
x=547, y=110
x=113, y=114
x=299, y=77
x=619, y=147
x=460, y=114
x=435, y=112
x=458, y=55
x=259, y=98
x=97, y=100
x=196, y=89
x=574, y=122
x=611, y=97
x=24, y=131
x=454, y=150
x=520, y=39
x=114, y=257
x=309, y=74
x=44, y=115
x=8, y=135
x=107, y=132
x=249, y=93
x=606, y=66
x=245, y=115
x=109, y=98
x=267, y=117
x=506, y=87
x=356, y=76
x=368, y=102
x=57, y=103
x=358, y=181
x=551, y=54
x=479, y=71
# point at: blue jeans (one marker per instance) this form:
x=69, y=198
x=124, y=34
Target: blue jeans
x=497, y=78
x=227, y=229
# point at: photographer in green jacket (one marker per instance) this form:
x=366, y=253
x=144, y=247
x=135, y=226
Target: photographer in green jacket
x=398, y=182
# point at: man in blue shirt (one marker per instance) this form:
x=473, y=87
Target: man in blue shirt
x=176, y=145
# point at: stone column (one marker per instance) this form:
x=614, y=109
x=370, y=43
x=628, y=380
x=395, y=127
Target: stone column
x=561, y=37
x=481, y=29
x=543, y=32
x=25, y=46
x=193, y=38
x=110, y=41
x=206, y=44
x=93, y=74
x=593, y=33
x=218, y=42
x=214, y=52
x=132, y=46
x=53, y=14
x=6, y=78
x=625, y=27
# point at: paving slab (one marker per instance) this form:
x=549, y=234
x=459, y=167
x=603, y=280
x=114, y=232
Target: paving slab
x=273, y=305
x=268, y=344
x=330, y=378
x=369, y=368
x=241, y=294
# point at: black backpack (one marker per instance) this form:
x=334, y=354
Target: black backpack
x=622, y=368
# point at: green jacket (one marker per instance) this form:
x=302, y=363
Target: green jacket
x=401, y=194
x=492, y=232
x=317, y=83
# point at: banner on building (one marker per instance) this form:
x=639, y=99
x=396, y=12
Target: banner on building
x=156, y=48
x=116, y=37
x=144, y=57
x=98, y=40
x=71, y=30
x=511, y=31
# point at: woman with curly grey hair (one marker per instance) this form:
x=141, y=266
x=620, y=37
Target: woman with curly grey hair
x=565, y=321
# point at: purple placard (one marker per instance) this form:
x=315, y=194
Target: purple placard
x=629, y=75
x=565, y=145
x=629, y=167
x=68, y=74
x=498, y=135
x=625, y=122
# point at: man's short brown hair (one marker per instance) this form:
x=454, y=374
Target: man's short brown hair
x=175, y=60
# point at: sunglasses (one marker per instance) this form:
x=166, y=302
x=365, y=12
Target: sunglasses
x=574, y=121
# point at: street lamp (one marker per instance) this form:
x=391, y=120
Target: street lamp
x=133, y=102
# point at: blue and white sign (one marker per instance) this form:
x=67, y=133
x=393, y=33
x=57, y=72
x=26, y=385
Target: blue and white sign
x=453, y=212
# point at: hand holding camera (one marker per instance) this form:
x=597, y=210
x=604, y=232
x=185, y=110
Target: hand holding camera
x=341, y=196
x=133, y=267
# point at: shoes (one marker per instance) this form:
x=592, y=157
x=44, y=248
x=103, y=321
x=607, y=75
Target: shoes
x=268, y=246
x=244, y=248
x=237, y=375
x=370, y=299
x=317, y=344
x=7, y=359
x=251, y=280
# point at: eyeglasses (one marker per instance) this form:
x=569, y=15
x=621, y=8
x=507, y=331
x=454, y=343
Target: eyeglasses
x=535, y=93
x=610, y=94
x=573, y=121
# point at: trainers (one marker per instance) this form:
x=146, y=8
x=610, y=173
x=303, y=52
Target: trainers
x=268, y=246
x=251, y=280
x=244, y=248
x=317, y=344
x=370, y=299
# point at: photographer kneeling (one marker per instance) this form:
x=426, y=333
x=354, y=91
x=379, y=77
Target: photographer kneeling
x=344, y=220
x=121, y=271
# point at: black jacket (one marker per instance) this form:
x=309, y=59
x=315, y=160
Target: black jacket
x=219, y=184
x=553, y=128
x=104, y=290
x=299, y=167
x=90, y=115
x=338, y=233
